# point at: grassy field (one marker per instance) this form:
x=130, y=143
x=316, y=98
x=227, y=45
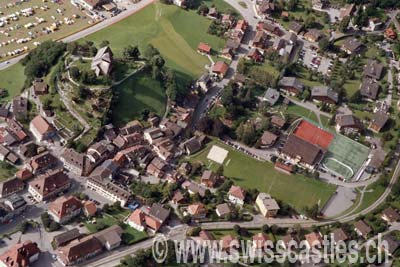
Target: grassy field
x=172, y=30
x=296, y=190
x=21, y=32
x=12, y=79
x=136, y=94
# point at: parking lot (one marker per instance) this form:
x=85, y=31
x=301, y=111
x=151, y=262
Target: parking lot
x=310, y=59
x=25, y=25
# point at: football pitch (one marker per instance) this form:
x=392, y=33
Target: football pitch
x=345, y=156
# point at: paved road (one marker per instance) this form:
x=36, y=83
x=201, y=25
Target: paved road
x=131, y=9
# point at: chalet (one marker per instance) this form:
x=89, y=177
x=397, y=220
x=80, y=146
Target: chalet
x=301, y=152
x=313, y=239
x=236, y=195
x=227, y=53
x=209, y=178
x=223, y=210
x=291, y=85
x=102, y=63
x=267, y=205
x=313, y=35
x=278, y=121
x=378, y=121
x=157, y=167
x=194, y=188
x=156, y=217
x=41, y=129
x=89, y=208
x=40, y=87
x=269, y=27
x=49, y=185
x=347, y=11
x=268, y=139
x=390, y=215
x=192, y=145
x=204, y=48
x=339, y=236
x=178, y=198
x=295, y=27
x=185, y=168
x=373, y=69
x=197, y=210
x=64, y=209
x=324, y=94
x=374, y=164
x=369, y=89
x=348, y=124
x=137, y=220
x=351, y=46
x=271, y=96
x=220, y=69
x=266, y=7
x=204, y=82
x=131, y=127
x=362, y=228
x=241, y=26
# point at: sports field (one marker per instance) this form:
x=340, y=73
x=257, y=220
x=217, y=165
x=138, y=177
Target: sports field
x=345, y=156
x=296, y=190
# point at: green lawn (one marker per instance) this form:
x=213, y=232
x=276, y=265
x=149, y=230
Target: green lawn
x=137, y=93
x=296, y=190
x=12, y=79
x=373, y=192
x=172, y=30
x=6, y=171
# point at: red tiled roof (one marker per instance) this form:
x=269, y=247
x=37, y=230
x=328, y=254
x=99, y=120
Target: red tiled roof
x=313, y=134
x=205, y=48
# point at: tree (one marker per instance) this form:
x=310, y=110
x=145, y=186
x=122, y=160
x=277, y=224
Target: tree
x=344, y=24
x=324, y=44
x=203, y=9
x=237, y=229
x=150, y=51
x=131, y=52
x=291, y=5
x=104, y=43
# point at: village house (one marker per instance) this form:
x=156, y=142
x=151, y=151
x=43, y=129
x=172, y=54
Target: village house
x=66, y=237
x=369, y=89
x=157, y=167
x=102, y=63
x=74, y=161
x=192, y=145
x=351, y=46
x=11, y=186
x=131, y=127
x=267, y=205
x=204, y=82
x=49, y=185
x=20, y=255
x=223, y=210
x=348, y=124
x=84, y=248
x=89, y=208
x=378, y=121
x=40, y=87
x=204, y=49
x=324, y=94
x=213, y=13
x=156, y=217
x=260, y=40
x=193, y=188
x=63, y=209
x=152, y=134
x=219, y=69
x=42, y=162
x=390, y=33
x=269, y=27
x=137, y=220
x=99, y=151
x=255, y=55
x=362, y=229
x=301, y=152
x=268, y=139
x=374, y=164
x=197, y=211
x=373, y=69
x=20, y=106
x=17, y=130
x=390, y=215
x=347, y=11
x=265, y=7
x=41, y=129
x=236, y=195
x=291, y=85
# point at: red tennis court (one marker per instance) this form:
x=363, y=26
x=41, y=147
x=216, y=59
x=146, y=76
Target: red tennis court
x=314, y=135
